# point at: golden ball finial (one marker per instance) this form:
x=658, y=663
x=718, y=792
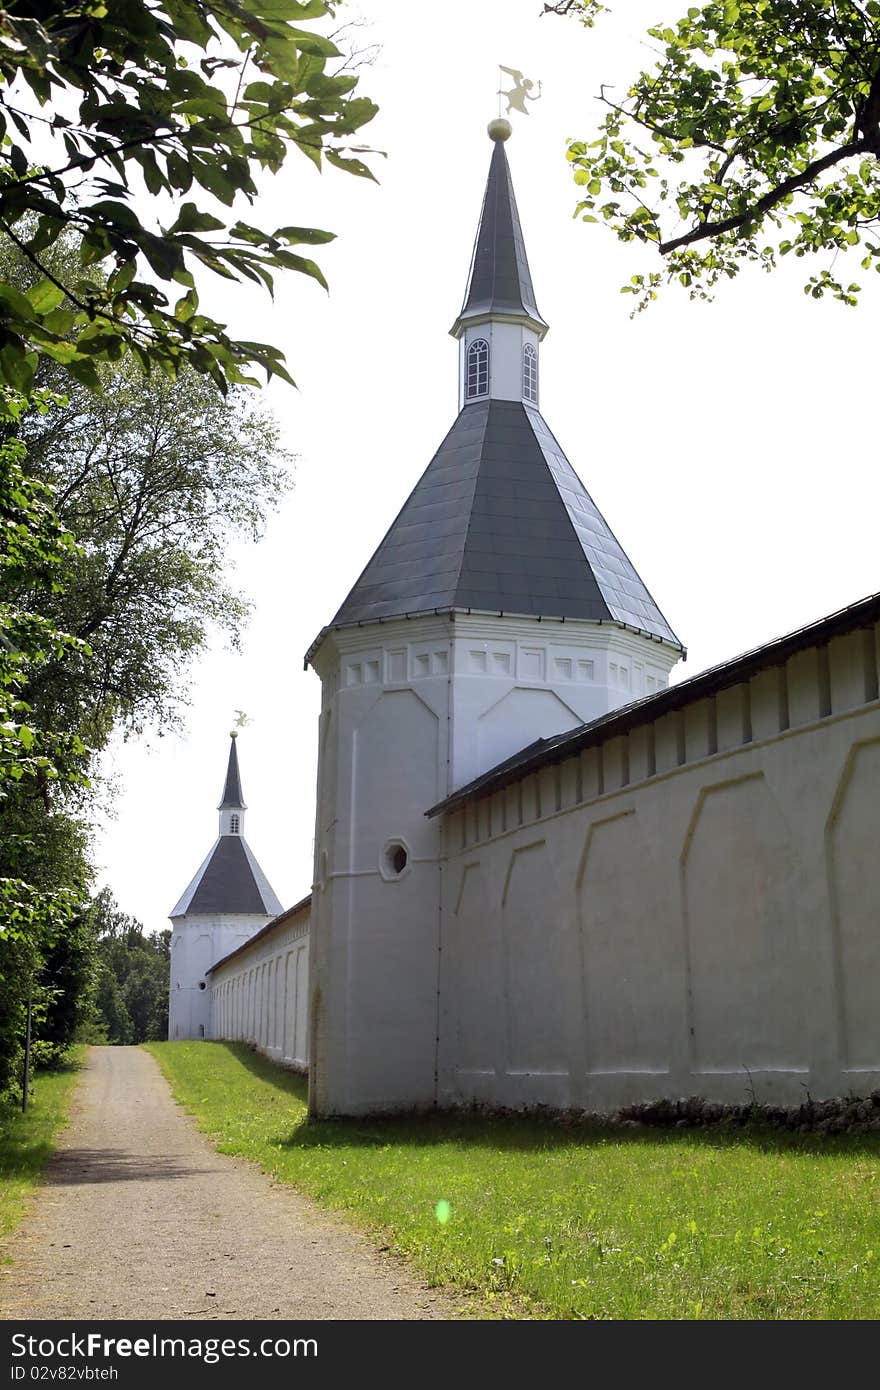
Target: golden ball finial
x=499, y=129
x=233, y=733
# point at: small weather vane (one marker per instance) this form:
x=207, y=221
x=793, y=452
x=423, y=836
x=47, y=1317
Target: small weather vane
x=519, y=93
x=241, y=722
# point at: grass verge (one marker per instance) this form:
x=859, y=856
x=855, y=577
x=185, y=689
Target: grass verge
x=569, y=1222
x=26, y=1141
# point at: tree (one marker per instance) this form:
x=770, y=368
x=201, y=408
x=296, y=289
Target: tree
x=20, y=961
x=191, y=100
x=153, y=485
x=132, y=997
x=35, y=546
x=69, y=979
x=757, y=134
x=41, y=863
x=111, y=1015
x=116, y=510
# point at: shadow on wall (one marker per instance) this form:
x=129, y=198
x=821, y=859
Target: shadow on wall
x=535, y=1132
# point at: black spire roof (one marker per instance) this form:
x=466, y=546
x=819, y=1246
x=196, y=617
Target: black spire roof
x=500, y=523
x=500, y=281
x=232, y=787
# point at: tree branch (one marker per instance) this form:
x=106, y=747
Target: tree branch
x=769, y=199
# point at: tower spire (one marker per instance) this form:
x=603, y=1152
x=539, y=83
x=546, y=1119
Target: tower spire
x=232, y=798
x=500, y=327
x=500, y=282
x=232, y=804
x=500, y=523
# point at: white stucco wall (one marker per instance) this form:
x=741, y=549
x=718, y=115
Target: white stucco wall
x=196, y=942
x=517, y=680
x=692, y=909
x=261, y=994
x=411, y=710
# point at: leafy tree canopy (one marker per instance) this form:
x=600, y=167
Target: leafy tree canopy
x=153, y=485
x=189, y=100
x=147, y=489
x=755, y=135
x=131, y=1004
x=34, y=548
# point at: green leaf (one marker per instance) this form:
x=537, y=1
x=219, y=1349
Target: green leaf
x=12, y=301
x=216, y=181
x=45, y=297
x=61, y=352
x=17, y=368
x=310, y=236
x=179, y=172
x=292, y=262
x=62, y=321
x=351, y=166
x=191, y=219
x=85, y=371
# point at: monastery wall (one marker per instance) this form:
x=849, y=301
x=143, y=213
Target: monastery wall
x=692, y=908
x=260, y=994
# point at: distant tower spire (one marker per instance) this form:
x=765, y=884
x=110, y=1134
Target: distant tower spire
x=229, y=900
x=232, y=804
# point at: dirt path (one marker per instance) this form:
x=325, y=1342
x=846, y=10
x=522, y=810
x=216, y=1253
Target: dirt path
x=139, y=1217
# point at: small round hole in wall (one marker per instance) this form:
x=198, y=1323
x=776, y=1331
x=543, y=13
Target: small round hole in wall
x=202, y=984
x=395, y=858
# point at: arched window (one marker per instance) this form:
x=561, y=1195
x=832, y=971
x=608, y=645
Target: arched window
x=477, y=377
x=233, y=824
x=530, y=373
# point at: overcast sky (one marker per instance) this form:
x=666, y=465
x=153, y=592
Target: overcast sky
x=730, y=445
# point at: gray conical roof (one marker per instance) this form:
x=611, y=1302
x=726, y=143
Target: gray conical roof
x=232, y=786
x=500, y=523
x=500, y=281
x=229, y=880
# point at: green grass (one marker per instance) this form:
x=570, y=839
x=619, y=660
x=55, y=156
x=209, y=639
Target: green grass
x=570, y=1222
x=26, y=1141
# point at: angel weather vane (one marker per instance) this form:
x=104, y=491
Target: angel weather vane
x=519, y=93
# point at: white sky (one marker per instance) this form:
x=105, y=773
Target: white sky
x=726, y=444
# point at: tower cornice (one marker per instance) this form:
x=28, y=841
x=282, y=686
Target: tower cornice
x=465, y=321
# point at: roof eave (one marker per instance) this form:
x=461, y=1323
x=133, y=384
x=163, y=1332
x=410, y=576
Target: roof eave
x=492, y=315
x=276, y=921
x=864, y=613
x=412, y=614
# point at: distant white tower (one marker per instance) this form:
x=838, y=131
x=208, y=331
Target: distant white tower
x=229, y=900
x=499, y=609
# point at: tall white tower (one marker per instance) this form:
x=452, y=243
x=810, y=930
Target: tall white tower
x=229, y=900
x=498, y=609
